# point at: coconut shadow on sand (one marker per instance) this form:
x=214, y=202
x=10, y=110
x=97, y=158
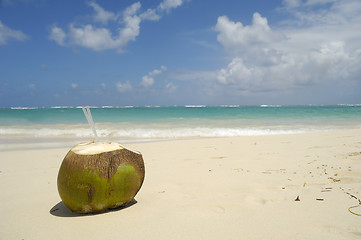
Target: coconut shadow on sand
x=60, y=210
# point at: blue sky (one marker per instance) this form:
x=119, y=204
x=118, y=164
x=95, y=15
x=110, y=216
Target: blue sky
x=177, y=52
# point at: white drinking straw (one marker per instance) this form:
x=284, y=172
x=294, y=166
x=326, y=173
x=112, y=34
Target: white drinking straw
x=89, y=117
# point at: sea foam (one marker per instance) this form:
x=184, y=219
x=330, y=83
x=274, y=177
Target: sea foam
x=142, y=133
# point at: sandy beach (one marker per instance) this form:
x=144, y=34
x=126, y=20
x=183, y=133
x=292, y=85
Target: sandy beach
x=214, y=188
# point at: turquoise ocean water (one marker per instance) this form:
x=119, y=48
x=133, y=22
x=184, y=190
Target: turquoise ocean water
x=131, y=123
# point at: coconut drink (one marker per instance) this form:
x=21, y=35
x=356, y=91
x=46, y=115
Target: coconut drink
x=96, y=176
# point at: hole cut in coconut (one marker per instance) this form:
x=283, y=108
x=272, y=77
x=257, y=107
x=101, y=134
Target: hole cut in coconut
x=90, y=148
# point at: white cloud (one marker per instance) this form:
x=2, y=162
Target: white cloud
x=265, y=60
x=132, y=9
x=164, y=6
x=58, y=35
x=158, y=71
x=8, y=34
x=124, y=87
x=91, y=36
x=168, y=5
x=101, y=38
x=237, y=38
x=74, y=85
x=132, y=22
x=148, y=80
x=102, y=15
x=150, y=14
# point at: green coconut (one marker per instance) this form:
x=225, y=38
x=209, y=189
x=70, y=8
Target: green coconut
x=96, y=176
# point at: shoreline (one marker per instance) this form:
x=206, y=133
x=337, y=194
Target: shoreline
x=46, y=140
x=207, y=188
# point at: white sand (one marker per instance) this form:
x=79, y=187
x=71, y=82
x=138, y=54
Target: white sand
x=220, y=188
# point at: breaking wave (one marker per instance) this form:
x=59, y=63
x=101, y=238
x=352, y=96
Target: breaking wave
x=143, y=133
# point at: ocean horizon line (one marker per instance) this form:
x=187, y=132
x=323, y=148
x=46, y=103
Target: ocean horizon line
x=185, y=105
